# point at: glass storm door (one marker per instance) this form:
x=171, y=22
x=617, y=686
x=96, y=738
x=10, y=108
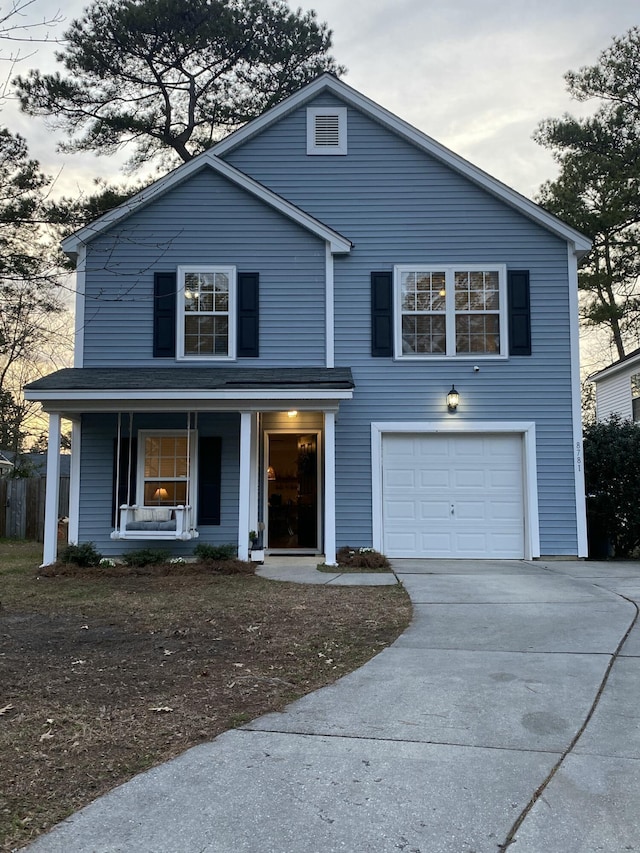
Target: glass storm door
x=292, y=491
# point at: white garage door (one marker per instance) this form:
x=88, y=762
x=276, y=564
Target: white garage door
x=457, y=496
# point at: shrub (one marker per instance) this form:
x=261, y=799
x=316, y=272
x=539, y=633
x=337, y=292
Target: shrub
x=361, y=558
x=203, y=551
x=146, y=557
x=612, y=463
x=83, y=555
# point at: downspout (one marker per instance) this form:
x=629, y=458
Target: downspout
x=576, y=407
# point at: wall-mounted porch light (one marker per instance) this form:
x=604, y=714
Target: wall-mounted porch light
x=292, y=414
x=271, y=474
x=453, y=398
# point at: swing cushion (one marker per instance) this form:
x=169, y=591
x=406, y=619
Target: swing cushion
x=154, y=514
x=152, y=525
x=152, y=519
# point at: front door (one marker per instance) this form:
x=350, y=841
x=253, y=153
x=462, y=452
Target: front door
x=292, y=505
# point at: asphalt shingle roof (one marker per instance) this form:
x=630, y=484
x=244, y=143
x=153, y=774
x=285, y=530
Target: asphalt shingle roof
x=193, y=378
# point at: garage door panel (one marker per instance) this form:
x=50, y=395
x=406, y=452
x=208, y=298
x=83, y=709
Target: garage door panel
x=509, y=510
x=480, y=476
x=468, y=511
x=440, y=543
x=470, y=479
x=469, y=544
x=434, y=478
x=506, y=479
x=402, y=478
x=403, y=544
x=434, y=510
x=402, y=511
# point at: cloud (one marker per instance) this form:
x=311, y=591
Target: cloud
x=477, y=75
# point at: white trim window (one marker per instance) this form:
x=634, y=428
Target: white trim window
x=206, y=312
x=326, y=130
x=447, y=311
x=166, y=467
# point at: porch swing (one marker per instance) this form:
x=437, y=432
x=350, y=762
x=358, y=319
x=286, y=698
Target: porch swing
x=135, y=521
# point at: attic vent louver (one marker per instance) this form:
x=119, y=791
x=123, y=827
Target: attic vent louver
x=327, y=130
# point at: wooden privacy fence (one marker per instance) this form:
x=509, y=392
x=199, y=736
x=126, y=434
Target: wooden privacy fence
x=22, y=506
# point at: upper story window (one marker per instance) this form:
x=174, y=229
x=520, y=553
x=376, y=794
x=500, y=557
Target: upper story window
x=450, y=311
x=206, y=312
x=635, y=397
x=326, y=130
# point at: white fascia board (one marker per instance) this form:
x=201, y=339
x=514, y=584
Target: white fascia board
x=581, y=244
x=190, y=395
x=339, y=244
x=613, y=369
x=72, y=404
x=71, y=409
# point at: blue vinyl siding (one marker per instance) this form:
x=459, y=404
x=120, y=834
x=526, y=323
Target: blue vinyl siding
x=398, y=206
x=401, y=206
x=98, y=435
x=205, y=221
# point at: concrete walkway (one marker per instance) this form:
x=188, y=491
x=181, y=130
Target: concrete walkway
x=505, y=717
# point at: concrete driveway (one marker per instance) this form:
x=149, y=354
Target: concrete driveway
x=507, y=717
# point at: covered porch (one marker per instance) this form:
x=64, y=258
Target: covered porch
x=283, y=448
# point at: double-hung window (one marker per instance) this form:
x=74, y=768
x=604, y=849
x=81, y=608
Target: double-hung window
x=450, y=311
x=206, y=312
x=165, y=469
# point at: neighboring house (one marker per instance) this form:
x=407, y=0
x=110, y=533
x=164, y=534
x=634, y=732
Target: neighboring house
x=268, y=335
x=618, y=389
x=34, y=464
x=5, y=464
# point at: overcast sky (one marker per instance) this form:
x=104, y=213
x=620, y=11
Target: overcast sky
x=477, y=75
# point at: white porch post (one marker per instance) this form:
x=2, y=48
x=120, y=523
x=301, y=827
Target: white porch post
x=254, y=483
x=53, y=487
x=330, y=488
x=246, y=419
x=74, y=483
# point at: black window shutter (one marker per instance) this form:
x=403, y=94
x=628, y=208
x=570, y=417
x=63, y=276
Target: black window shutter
x=164, y=314
x=123, y=491
x=519, y=312
x=209, y=468
x=381, y=314
x=248, y=315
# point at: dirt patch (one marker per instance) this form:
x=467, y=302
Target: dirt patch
x=102, y=677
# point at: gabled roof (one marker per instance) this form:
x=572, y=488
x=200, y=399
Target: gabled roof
x=329, y=83
x=630, y=360
x=338, y=243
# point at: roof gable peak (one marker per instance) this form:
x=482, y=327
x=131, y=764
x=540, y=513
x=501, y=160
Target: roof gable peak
x=329, y=83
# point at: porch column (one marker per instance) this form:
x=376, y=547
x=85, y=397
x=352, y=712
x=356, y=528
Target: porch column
x=74, y=483
x=244, y=500
x=330, y=488
x=254, y=480
x=53, y=487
